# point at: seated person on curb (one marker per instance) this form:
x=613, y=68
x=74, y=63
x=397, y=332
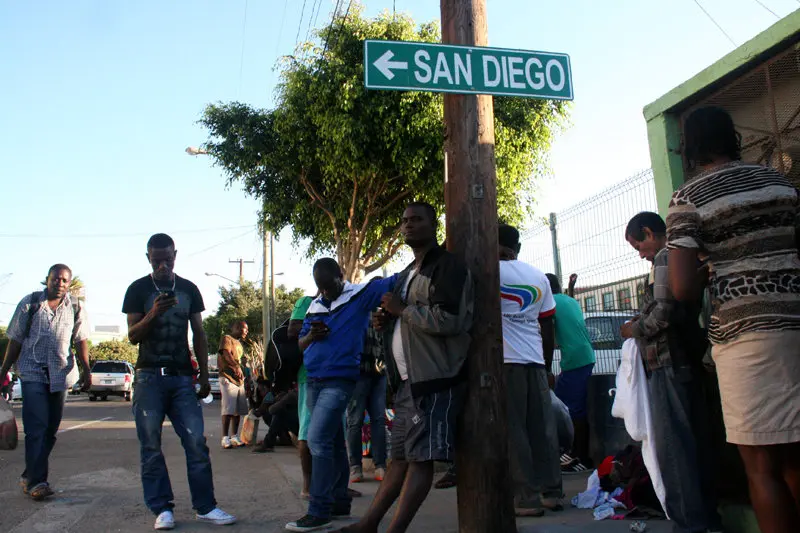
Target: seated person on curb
x=426, y=322
x=283, y=419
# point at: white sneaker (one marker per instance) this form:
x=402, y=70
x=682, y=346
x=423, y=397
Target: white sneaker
x=236, y=442
x=218, y=517
x=165, y=521
x=226, y=443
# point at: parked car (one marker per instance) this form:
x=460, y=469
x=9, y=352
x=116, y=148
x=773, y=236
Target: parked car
x=213, y=380
x=16, y=389
x=606, y=340
x=111, y=378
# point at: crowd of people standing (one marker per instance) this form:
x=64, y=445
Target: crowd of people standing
x=731, y=238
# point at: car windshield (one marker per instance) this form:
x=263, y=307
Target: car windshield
x=604, y=331
x=110, y=367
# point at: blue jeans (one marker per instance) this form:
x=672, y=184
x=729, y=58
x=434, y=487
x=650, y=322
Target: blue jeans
x=41, y=416
x=327, y=400
x=369, y=395
x=155, y=397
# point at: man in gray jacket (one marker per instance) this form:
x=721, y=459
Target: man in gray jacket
x=426, y=322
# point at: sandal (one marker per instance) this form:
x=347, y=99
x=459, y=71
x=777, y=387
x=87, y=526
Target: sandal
x=41, y=491
x=23, y=484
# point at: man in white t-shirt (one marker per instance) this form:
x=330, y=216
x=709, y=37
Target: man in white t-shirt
x=528, y=308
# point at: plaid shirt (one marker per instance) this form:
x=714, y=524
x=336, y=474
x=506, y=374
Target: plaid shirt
x=658, y=307
x=45, y=356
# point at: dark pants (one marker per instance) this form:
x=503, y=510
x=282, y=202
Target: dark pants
x=683, y=448
x=330, y=473
x=281, y=423
x=533, y=436
x=369, y=395
x=155, y=397
x=41, y=416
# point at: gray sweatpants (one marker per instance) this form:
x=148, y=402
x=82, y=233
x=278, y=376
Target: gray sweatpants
x=533, y=437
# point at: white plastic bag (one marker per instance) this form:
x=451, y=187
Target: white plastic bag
x=8, y=427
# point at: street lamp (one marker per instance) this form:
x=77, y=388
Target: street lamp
x=193, y=150
x=223, y=277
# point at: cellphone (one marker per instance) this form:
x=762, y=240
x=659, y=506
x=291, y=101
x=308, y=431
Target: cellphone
x=320, y=324
x=168, y=294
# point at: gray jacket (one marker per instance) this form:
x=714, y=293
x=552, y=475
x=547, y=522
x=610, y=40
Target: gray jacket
x=435, y=325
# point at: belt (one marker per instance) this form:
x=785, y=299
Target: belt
x=166, y=371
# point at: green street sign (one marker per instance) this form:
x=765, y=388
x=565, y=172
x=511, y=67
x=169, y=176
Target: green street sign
x=412, y=66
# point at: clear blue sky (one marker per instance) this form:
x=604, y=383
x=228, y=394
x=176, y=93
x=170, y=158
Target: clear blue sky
x=100, y=99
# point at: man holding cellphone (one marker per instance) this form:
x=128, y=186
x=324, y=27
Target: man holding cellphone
x=160, y=308
x=331, y=339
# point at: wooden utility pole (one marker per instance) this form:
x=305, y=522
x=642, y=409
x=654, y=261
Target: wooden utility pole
x=485, y=493
x=241, y=268
x=266, y=318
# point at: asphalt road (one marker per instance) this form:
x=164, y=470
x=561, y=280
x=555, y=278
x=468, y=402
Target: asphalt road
x=94, y=470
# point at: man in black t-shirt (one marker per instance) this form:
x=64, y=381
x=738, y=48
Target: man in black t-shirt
x=160, y=308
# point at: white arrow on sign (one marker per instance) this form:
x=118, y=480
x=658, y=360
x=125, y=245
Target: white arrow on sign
x=385, y=64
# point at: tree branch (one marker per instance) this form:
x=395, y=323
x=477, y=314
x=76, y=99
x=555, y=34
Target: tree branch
x=393, y=201
x=391, y=250
x=317, y=198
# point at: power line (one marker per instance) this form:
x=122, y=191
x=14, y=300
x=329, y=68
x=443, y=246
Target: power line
x=316, y=17
x=283, y=19
x=344, y=19
x=312, y=18
x=762, y=4
x=300, y=25
x=330, y=28
x=226, y=241
x=715, y=22
x=241, y=57
x=109, y=235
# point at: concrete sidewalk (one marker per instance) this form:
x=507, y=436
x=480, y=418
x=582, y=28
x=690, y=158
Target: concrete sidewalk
x=95, y=472
x=439, y=513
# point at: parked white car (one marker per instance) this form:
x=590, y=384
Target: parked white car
x=111, y=378
x=213, y=380
x=606, y=340
x=16, y=390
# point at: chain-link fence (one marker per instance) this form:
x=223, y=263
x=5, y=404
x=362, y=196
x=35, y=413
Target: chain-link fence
x=588, y=239
x=765, y=106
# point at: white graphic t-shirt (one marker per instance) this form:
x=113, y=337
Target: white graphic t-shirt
x=397, y=337
x=525, y=297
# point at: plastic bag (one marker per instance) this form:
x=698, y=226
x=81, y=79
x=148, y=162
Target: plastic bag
x=249, y=429
x=8, y=427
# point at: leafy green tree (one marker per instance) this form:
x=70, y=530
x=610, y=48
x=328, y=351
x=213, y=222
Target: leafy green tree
x=114, y=350
x=3, y=342
x=337, y=162
x=76, y=287
x=245, y=302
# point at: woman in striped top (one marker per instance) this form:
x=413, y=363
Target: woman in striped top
x=742, y=221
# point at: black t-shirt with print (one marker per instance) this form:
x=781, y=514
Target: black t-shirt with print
x=167, y=342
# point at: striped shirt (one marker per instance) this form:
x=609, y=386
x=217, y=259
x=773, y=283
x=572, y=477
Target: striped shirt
x=45, y=356
x=743, y=219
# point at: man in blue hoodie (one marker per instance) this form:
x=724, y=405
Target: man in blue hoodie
x=331, y=341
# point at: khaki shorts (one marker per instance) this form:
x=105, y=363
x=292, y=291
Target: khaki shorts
x=234, y=398
x=759, y=381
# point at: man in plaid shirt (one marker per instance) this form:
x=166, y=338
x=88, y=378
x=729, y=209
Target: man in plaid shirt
x=43, y=328
x=672, y=345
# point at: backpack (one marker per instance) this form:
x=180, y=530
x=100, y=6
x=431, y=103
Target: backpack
x=36, y=304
